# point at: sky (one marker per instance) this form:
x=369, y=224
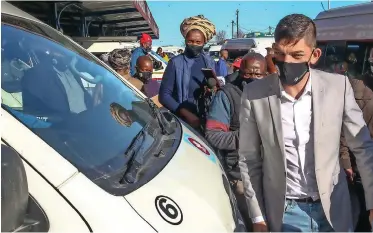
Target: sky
x=253, y=15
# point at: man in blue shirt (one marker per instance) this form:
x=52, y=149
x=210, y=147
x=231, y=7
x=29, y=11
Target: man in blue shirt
x=143, y=50
x=222, y=126
x=221, y=65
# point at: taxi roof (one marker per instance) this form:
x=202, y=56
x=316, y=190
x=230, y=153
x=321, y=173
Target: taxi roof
x=354, y=23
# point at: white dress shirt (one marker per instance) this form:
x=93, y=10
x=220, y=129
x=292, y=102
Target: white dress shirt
x=297, y=128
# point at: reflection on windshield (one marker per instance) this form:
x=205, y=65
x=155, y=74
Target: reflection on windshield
x=159, y=57
x=68, y=98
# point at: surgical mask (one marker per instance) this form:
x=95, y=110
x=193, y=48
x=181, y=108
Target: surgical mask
x=145, y=76
x=193, y=50
x=292, y=73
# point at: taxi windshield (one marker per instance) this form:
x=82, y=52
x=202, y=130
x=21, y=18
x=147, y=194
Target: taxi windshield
x=67, y=97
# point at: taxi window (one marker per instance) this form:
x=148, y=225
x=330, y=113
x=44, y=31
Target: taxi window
x=67, y=97
x=355, y=56
x=343, y=57
x=334, y=56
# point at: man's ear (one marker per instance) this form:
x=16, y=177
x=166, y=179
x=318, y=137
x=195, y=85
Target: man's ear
x=315, y=56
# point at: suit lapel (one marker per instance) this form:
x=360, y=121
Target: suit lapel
x=318, y=93
x=275, y=107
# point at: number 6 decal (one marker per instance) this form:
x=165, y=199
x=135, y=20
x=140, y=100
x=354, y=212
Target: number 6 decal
x=168, y=210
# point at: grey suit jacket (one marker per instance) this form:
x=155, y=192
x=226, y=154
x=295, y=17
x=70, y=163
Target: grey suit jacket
x=261, y=148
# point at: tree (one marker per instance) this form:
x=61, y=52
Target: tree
x=240, y=33
x=220, y=37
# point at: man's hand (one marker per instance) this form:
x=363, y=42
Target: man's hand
x=260, y=227
x=371, y=218
x=350, y=174
x=190, y=118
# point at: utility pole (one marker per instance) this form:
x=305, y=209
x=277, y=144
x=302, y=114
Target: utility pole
x=328, y=4
x=237, y=11
x=232, y=29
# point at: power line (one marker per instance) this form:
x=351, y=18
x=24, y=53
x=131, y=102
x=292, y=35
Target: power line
x=237, y=21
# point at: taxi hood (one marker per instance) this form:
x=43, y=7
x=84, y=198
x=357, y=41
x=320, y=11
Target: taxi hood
x=190, y=194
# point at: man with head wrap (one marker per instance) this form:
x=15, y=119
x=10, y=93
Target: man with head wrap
x=183, y=80
x=119, y=60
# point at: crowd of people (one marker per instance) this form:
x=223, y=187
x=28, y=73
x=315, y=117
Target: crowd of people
x=296, y=142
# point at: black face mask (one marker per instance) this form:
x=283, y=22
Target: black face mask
x=193, y=50
x=241, y=82
x=147, y=49
x=292, y=73
x=144, y=77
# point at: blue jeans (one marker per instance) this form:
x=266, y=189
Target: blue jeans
x=304, y=217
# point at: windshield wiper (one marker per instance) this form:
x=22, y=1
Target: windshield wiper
x=164, y=124
x=132, y=150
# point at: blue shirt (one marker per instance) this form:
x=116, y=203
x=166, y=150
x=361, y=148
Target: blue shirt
x=175, y=87
x=195, y=84
x=221, y=68
x=138, y=52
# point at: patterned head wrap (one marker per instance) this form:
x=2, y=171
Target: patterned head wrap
x=119, y=59
x=200, y=23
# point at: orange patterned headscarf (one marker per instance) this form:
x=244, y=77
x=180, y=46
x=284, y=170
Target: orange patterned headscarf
x=200, y=23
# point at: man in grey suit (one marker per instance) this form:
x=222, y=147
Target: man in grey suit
x=290, y=125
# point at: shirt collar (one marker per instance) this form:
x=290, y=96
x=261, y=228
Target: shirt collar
x=307, y=89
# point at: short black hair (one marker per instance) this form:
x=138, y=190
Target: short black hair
x=221, y=51
x=292, y=28
x=255, y=56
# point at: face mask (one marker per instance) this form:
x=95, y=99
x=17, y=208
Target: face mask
x=255, y=79
x=147, y=49
x=193, y=50
x=292, y=73
x=241, y=82
x=145, y=77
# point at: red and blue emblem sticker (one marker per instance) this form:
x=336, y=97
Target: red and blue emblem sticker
x=195, y=143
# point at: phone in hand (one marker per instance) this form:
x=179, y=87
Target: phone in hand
x=208, y=73
x=211, y=76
